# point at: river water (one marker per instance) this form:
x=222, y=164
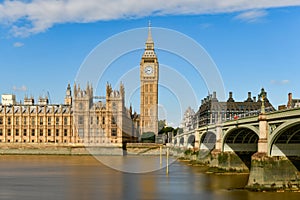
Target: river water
x=84, y=177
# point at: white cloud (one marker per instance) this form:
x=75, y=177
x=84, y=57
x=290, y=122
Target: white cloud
x=23, y=88
x=205, y=25
x=35, y=16
x=285, y=81
x=280, y=82
x=18, y=44
x=252, y=15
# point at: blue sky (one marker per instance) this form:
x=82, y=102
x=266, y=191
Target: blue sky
x=253, y=44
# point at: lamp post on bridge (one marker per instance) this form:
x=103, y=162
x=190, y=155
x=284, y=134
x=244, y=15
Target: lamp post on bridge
x=263, y=125
x=262, y=96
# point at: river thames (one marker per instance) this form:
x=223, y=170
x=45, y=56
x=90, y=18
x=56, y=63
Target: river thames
x=84, y=177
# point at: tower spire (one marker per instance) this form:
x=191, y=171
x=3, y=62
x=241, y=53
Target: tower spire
x=149, y=73
x=149, y=39
x=149, y=42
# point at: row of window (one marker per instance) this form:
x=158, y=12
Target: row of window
x=56, y=141
x=148, y=87
x=81, y=120
x=149, y=99
x=32, y=120
x=113, y=132
x=148, y=112
x=34, y=132
x=33, y=141
x=233, y=111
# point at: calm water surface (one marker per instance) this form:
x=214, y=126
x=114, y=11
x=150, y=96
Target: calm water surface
x=84, y=177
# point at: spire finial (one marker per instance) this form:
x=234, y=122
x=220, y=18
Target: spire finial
x=149, y=39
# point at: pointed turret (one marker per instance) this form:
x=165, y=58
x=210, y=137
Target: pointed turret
x=149, y=42
x=68, y=91
x=68, y=97
x=149, y=48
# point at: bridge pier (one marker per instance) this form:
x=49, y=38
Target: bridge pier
x=271, y=172
x=197, y=140
x=262, y=146
x=218, y=146
x=185, y=143
x=227, y=162
x=276, y=172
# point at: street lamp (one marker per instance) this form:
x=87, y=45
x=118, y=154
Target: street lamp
x=262, y=96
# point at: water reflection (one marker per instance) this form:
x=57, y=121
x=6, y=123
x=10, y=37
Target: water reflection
x=135, y=164
x=83, y=177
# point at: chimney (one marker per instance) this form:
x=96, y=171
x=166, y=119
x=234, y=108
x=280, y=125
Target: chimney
x=214, y=95
x=230, y=99
x=249, y=99
x=254, y=99
x=290, y=98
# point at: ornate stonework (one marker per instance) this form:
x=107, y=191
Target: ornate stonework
x=149, y=74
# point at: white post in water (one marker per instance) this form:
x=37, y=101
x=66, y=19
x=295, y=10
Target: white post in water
x=160, y=156
x=167, y=169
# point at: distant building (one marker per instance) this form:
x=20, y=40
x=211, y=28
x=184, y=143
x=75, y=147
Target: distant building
x=8, y=99
x=212, y=110
x=188, y=121
x=291, y=103
x=80, y=121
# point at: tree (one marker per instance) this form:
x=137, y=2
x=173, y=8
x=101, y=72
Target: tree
x=167, y=129
x=148, y=137
x=161, y=124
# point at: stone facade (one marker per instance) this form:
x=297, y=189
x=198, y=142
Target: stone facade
x=188, y=122
x=79, y=121
x=149, y=73
x=213, y=111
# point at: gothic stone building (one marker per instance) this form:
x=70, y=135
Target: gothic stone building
x=78, y=120
x=149, y=76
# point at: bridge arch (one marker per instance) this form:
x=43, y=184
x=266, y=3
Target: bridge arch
x=191, y=141
x=242, y=141
x=285, y=140
x=241, y=138
x=181, y=141
x=208, y=140
x=175, y=141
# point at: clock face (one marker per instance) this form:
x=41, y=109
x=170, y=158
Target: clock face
x=148, y=70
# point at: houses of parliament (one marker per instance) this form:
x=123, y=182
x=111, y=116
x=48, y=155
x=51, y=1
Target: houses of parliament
x=81, y=120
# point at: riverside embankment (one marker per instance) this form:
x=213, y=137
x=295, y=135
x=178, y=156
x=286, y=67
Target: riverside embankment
x=80, y=149
x=266, y=173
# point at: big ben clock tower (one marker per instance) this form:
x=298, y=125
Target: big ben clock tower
x=149, y=70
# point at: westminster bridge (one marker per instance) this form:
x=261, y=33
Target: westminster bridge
x=268, y=145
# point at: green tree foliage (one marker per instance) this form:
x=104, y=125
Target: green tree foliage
x=161, y=124
x=148, y=137
x=167, y=129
